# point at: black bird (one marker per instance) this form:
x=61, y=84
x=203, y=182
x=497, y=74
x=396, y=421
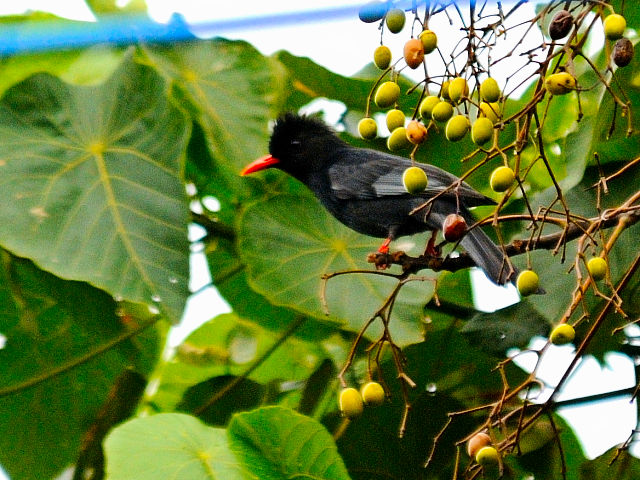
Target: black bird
x=363, y=189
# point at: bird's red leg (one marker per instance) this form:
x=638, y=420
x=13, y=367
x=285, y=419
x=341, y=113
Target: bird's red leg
x=432, y=250
x=384, y=248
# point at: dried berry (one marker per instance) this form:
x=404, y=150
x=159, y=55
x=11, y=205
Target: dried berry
x=623, y=52
x=413, y=53
x=478, y=441
x=416, y=132
x=560, y=25
x=454, y=227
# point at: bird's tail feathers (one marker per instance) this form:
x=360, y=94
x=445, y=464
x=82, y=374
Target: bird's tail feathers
x=488, y=256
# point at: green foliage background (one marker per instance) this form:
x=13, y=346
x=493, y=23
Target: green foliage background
x=96, y=147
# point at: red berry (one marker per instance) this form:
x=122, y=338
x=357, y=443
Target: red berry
x=454, y=227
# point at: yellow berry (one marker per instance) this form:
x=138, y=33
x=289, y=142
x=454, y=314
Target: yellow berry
x=416, y=132
x=382, y=57
x=458, y=89
x=457, y=127
x=478, y=441
x=395, y=118
x=527, y=283
x=429, y=41
x=395, y=20
x=367, y=128
x=614, y=26
x=490, y=110
x=372, y=394
x=415, y=180
x=442, y=111
x=413, y=53
x=426, y=106
x=562, y=334
x=487, y=456
x=387, y=94
x=597, y=267
x=350, y=402
x=398, y=139
x=560, y=83
x=501, y=179
x=489, y=90
x=482, y=131
x=444, y=90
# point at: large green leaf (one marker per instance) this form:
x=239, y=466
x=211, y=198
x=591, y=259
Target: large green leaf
x=625, y=467
x=92, y=183
x=171, y=445
x=277, y=444
x=57, y=366
x=289, y=242
x=230, y=89
x=230, y=345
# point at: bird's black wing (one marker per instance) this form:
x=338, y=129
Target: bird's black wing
x=365, y=174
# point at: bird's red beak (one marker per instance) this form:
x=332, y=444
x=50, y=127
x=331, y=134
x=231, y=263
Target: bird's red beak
x=260, y=164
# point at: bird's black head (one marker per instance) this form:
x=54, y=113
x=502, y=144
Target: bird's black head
x=299, y=145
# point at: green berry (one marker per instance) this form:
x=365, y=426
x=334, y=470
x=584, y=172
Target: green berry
x=416, y=132
x=562, y=334
x=482, y=131
x=614, y=26
x=382, y=57
x=527, y=283
x=490, y=110
x=501, y=179
x=398, y=139
x=387, y=94
x=395, y=20
x=350, y=402
x=458, y=89
x=367, y=128
x=597, y=267
x=415, y=180
x=429, y=41
x=489, y=90
x=560, y=83
x=395, y=118
x=426, y=106
x=487, y=456
x=442, y=111
x=372, y=394
x=457, y=127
